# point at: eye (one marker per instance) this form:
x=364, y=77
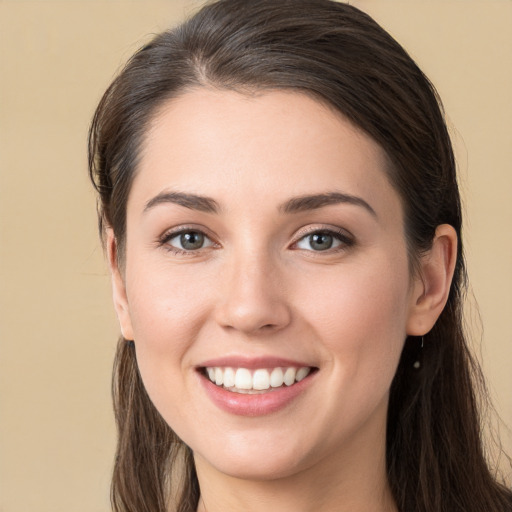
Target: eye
x=323, y=240
x=186, y=241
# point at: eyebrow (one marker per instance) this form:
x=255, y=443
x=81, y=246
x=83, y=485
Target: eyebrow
x=313, y=202
x=293, y=205
x=192, y=201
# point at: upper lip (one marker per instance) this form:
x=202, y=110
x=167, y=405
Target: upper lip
x=253, y=363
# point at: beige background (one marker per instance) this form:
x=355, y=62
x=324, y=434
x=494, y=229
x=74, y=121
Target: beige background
x=57, y=327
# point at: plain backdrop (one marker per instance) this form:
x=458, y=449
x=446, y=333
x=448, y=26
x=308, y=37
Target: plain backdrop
x=57, y=326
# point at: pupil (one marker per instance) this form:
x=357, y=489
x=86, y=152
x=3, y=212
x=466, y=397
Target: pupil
x=321, y=241
x=192, y=240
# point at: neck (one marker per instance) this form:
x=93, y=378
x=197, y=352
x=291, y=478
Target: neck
x=356, y=484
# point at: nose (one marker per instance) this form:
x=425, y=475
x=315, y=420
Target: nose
x=254, y=299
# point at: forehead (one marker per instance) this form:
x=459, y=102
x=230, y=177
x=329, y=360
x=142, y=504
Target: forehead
x=266, y=146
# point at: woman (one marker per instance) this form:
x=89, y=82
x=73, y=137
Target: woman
x=280, y=209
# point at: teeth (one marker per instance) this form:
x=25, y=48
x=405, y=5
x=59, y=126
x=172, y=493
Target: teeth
x=261, y=379
x=241, y=380
x=302, y=373
x=289, y=376
x=229, y=377
x=276, y=378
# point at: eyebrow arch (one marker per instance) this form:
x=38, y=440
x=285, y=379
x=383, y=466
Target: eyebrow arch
x=192, y=201
x=313, y=202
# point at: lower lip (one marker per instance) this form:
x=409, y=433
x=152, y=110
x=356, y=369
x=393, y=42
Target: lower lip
x=254, y=404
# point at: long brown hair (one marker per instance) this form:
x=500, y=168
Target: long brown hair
x=339, y=55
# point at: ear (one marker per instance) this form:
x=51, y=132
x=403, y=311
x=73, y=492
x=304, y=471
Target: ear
x=432, y=285
x=118, y=287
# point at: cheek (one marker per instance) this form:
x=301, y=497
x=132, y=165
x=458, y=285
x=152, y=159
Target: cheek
x=361, y=317
x=167, y=310
x=165, y=305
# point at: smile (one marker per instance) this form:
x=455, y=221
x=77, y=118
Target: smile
x=243, y=380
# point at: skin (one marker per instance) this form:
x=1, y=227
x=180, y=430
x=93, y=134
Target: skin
x=259, y=288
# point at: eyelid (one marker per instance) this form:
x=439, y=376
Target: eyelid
x=169, y=234
x=345, y=237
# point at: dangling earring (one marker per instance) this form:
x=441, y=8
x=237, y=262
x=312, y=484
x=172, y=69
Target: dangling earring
x=417, y=363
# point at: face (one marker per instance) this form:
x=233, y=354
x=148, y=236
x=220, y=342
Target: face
x=265, y=251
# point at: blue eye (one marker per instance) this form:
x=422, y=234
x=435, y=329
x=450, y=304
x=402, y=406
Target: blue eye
x=188, y=240
x=323, y=241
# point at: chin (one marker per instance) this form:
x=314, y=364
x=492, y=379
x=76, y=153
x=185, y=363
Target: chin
x=257, y=460
x=256, y=470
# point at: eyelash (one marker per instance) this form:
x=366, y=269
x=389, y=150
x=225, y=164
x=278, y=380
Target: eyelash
x=168, y=236
x=345, y=240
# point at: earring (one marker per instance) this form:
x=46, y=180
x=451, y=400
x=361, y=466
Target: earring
x=417, y=363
